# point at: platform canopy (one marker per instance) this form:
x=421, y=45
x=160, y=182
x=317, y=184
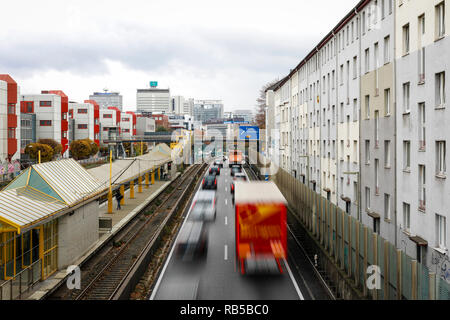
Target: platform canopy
x=43, y=190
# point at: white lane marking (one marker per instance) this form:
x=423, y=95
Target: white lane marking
x=226, y=253
x=226, y=201
x=226, y=220
x=155, y=290
x=225, y=188
x=293, y=281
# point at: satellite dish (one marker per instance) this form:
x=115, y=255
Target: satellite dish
x=105, y=89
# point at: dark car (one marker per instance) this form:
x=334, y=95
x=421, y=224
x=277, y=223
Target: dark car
x=218, y=163
x=235, y=169
x=215, y=170
x=209, y=182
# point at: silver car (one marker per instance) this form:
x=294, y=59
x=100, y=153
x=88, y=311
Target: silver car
x=204, y=206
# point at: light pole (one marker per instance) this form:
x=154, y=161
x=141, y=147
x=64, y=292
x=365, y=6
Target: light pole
x=359, y=192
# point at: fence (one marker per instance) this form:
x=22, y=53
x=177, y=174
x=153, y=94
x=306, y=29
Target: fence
x=9, y=170
x=23, y=281
x=354, y=247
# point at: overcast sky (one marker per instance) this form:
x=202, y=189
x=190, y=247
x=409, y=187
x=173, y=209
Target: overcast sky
x=201, y=49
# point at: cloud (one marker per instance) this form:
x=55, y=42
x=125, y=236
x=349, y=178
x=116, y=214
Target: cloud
x=199, y=49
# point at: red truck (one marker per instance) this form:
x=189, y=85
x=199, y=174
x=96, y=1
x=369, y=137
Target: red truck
x=261, y=230
x=235, y=158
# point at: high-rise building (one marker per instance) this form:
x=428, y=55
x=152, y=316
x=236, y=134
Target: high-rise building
x=246, y=114
x=205, y=110
x=107, y=99
x=154, y=100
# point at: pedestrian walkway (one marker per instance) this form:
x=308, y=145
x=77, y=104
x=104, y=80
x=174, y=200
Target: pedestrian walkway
x=119, y=218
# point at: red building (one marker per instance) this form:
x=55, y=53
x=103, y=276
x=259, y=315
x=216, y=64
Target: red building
x=11, y=119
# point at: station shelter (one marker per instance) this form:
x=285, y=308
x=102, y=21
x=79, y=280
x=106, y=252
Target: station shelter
x=31, y=209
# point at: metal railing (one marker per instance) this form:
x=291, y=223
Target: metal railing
x=23, y=281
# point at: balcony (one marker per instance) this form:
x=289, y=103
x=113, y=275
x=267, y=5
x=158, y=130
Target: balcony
x=12, y=121
x=12, y=146
x=64, y=125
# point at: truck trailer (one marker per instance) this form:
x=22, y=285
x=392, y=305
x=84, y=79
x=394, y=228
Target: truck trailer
x=261, y=230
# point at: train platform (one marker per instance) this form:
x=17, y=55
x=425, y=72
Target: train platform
x=119, y=218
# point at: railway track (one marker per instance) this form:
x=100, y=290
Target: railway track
x=105, y=273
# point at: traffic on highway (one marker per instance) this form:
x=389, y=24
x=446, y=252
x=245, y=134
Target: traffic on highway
x=232, y=244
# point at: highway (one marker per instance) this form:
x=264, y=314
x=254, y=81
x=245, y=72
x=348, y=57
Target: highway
x=216, y=277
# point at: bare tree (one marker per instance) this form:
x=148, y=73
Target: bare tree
x=260, y=117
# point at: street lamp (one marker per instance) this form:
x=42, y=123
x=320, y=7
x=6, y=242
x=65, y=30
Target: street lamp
x=359, y=192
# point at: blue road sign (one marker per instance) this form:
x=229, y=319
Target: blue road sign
x=249, y=133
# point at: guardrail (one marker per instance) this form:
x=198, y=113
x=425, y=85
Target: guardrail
x=23, y=281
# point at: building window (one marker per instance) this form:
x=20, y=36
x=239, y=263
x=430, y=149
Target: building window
x=440, y=90
x=355, y=67
x=367, y=151
x=125, y=119
x=387, y=102
x=387, y=153
x=367, y=60
x=440, y=158
x=406, y=39
x=367, y=199
x=406, y=107
x=440, y=20
x=82, y=126
x=383, y=9
x=422, y=126
x=367, y=99
x=406, y=155
x=82, y=110
x=45, y=123
x=342, y=75
x=422, y=193
x=377, y=186
x=107, y=115
x=387, y=206
x=11, y=133
x=387, y=49
x=441, y=231
x=377, y=129
x=364, y=23
x=355, y=109
x=406, y=217
x=45, y=103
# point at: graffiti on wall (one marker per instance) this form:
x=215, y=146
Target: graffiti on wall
x=442, y=263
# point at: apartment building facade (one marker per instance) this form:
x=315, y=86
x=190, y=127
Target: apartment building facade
x=9, y=123
x=51, y=108
x=110, y=123
x=368, y=121
x=153, y=100
x=86, y=124
x=128, y=124
x=422, y=69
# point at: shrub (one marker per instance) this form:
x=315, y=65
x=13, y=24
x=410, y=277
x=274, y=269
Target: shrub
x=80, y=149
x=33, y=151
x=56, y=147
